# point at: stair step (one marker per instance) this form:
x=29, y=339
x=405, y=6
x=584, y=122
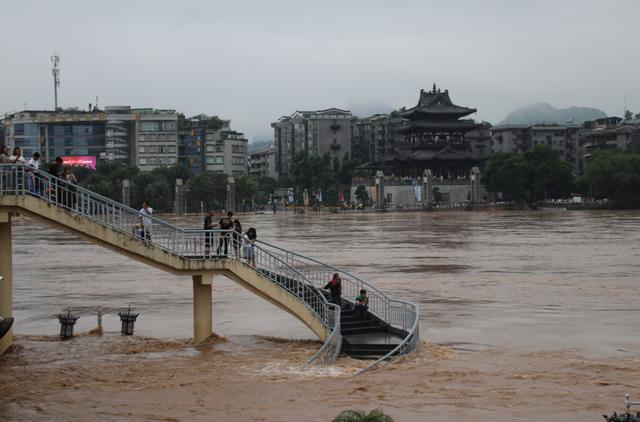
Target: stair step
x=386, y=348
x=366, y=353
x=359, y=323
x=363, y=330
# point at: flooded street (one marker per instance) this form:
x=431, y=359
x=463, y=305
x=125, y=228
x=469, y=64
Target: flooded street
x=521, y=312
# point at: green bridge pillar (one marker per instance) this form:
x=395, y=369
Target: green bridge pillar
x=6, y=288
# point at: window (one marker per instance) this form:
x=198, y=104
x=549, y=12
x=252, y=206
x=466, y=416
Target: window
x=143, y=137
x=210, y=160
x=141, y=149
x=150, y=126
x=209, y=148
x=169, y=126
x=142, y=161
x=237, y=161
x=238, y=149
x=219, y=159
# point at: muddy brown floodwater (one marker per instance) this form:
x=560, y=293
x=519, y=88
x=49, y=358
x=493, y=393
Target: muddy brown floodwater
x=525, y=316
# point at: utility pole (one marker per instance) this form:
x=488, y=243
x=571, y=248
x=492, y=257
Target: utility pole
x=55, y=71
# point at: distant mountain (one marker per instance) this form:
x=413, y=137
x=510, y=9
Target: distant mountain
x=545, y=113
x=258, y=146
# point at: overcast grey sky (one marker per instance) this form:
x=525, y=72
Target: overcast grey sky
x=253, y=61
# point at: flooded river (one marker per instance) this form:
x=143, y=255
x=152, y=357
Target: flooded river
x=506, y=298
x=538, y=280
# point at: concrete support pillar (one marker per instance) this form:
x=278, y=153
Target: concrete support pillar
x=179, y=204
x=202, y=307
x=6, y=287
x=231, y=194
x=427, y=183
x=126, y=192
x=380, y=205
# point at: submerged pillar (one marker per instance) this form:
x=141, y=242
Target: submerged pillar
x=6, y=288
x=380, y=202
x=427, y=184
x=202, y=307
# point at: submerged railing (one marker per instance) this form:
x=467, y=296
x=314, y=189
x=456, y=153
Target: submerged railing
x=191, y=244
x=397, y=313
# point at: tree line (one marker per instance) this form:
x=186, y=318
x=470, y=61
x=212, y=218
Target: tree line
x=542, y=174
x=208, y=190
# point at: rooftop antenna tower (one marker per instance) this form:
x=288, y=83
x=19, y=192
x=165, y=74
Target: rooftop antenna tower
x=55, y=71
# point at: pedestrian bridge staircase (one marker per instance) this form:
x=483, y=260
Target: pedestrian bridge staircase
x=289, y=280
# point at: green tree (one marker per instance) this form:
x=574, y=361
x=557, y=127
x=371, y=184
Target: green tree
x=507, y=173
x=362, y=196
x=549, y=175
x=214, y=123
x=108, y=177
x=614, y=175
x=208, y=189
x=537, y=174
x=246, y=189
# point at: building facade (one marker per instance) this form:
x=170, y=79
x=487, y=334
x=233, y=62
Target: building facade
x=226, y=152
x=217, y=148
x=608, y=134
x=564, y=139
x=263, y=163
x=313, y=132
x=143, y=137
x=64, y=133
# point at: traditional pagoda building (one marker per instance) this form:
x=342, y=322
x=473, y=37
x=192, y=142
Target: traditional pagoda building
x=430, y=145
x=432, y=136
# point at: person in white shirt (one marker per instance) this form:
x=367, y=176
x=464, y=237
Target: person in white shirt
x=16, y=157
x=17, y=181
x=145, y=221
x=34, y=183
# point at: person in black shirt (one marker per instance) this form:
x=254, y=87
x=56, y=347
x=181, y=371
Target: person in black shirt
x=208, y=237
x=237, y=237
x=225, y=224
x=335, y=287
x=56, y=169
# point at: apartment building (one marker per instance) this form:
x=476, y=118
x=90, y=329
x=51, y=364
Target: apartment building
x=263, y=163
x=314, y=132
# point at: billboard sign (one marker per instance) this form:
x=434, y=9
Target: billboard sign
x=88, y=161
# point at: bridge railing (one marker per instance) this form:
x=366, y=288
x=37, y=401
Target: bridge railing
x=194, y=244
x=397, y=313
x=295, y=283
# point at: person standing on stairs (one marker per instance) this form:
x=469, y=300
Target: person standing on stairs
x=236, y=238
x=226, y=224
x=250, y=248
x=335, y=287
x=208, y=237
x=145, y=221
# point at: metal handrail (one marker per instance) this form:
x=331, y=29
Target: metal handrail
x=405, y=316
x=194, y=244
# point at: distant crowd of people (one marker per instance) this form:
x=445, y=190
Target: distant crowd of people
x=38, y=184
